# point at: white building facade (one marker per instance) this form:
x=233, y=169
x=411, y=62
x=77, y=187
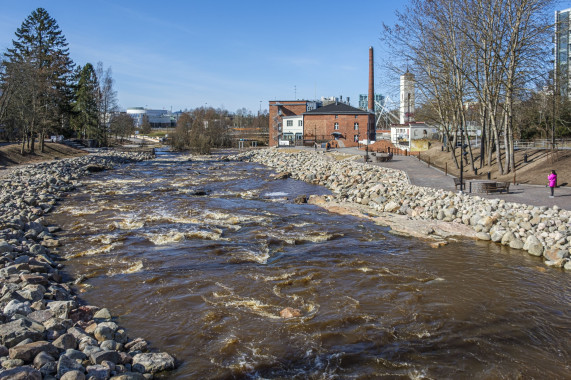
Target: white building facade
x=406, y=98
x=292, y=130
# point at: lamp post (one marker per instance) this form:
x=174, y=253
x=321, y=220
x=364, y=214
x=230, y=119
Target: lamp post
x=461, y=160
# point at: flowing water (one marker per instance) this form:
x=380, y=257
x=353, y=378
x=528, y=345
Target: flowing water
x=204, y=277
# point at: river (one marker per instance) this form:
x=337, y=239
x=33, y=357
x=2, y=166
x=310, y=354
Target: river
x=200, y=256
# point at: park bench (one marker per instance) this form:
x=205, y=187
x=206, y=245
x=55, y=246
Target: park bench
x=384, y=157
x=503, y=186
x=457, y=183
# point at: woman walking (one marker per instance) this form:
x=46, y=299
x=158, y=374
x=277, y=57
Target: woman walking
x=552, y=178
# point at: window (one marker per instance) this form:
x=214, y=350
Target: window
x=356, y=138
x=356, y=116
x=336, y=127
x=300, y=123
x=290, y=123
x=337, y=116
x=356, y=126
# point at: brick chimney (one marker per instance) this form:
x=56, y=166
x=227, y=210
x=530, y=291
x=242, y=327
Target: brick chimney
x=371, y=103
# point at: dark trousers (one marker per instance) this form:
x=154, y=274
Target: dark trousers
x=552, y=189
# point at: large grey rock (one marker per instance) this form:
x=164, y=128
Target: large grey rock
x=28, y=352
x=129, y=376
x=98, y=372
x=66, y=364
x=153, y=362
x=21, y=329
x=21, y=373
x=17, y=307
x=73, y=375
x=533, y=246
x=65, y=342
x=105, y=355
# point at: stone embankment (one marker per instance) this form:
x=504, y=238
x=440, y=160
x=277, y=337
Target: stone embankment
x=45, y=332
x=386, y=196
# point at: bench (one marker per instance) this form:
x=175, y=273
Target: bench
x=503, y=186
x=457, y=183
x=384, y=157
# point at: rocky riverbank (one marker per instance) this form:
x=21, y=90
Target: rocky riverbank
x=387, y=196
x=45, y=331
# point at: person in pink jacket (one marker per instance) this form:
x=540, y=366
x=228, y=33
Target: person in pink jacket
x=552, y=178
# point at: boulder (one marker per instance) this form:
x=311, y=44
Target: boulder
x=73, y=375
x=290, y=312
x=28, y=352
x=153, y=362
x=66, y=365
x=533, y=246
x=21, y=373
x=105, y=355
x=21, y=329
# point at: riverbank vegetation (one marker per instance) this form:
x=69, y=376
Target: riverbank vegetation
x=43, y=92
x=483, y=63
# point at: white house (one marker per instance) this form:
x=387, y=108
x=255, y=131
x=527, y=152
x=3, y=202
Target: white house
x=292, y=130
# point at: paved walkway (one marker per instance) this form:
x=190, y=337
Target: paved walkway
x=421, y=174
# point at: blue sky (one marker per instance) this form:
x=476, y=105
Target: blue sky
x=231, y=54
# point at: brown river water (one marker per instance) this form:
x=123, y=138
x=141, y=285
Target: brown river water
x=204, y=277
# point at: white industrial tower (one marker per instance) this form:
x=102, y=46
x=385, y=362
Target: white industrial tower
x=406, y=98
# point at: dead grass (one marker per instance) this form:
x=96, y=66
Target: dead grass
x=539, y=164
x=10, y=154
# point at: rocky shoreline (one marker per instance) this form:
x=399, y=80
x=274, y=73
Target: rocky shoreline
x=45, y=331
x=386, y=196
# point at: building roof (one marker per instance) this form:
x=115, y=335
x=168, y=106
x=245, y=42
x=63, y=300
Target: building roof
x=337, y=109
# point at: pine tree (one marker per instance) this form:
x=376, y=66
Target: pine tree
x=41, y=48
x=85, y=113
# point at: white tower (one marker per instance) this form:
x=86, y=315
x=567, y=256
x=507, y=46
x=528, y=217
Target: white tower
x=406, y=98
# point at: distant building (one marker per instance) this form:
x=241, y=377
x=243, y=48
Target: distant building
x=562, y=51
x=364, y=100
x=406, y=98
x=283, y=108
x=157, y=118
x=339, y=121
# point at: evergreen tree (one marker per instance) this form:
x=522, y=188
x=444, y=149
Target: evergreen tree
x=41, y=48
x=85, y=113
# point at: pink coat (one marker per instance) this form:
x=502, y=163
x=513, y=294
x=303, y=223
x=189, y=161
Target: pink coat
x=552, y=178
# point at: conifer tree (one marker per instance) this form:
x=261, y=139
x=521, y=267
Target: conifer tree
x=41, y=48
x=85, y=113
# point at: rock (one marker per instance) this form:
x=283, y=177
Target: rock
x=533, y=246
x=138, y=344
x=42, y=359
x=282, y=175
x=129, y=376
x=391, y=206
x=14, y=332
x=302, y=199
x=483, y=236
x=107, y=355
x=507, y=238
x=555, y=254
x=290, y=312
x=102, y=314
x=65, y=342
x=94, y=168
x=16, y=307
x=153, y=362
x=103, y=333
x=516, y=244
x=28, y=352
x=66, y=365
x=98, y=372
x=73, y=375
x=21, y=373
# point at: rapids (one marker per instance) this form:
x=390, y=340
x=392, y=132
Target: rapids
x=199, y=256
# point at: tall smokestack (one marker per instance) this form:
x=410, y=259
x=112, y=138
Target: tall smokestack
x=371, y=99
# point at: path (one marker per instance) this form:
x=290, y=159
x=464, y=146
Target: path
x=421, y=174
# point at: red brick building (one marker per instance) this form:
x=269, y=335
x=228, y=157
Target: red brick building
x=281, y=108
x=336, y=121
x=341, y=122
